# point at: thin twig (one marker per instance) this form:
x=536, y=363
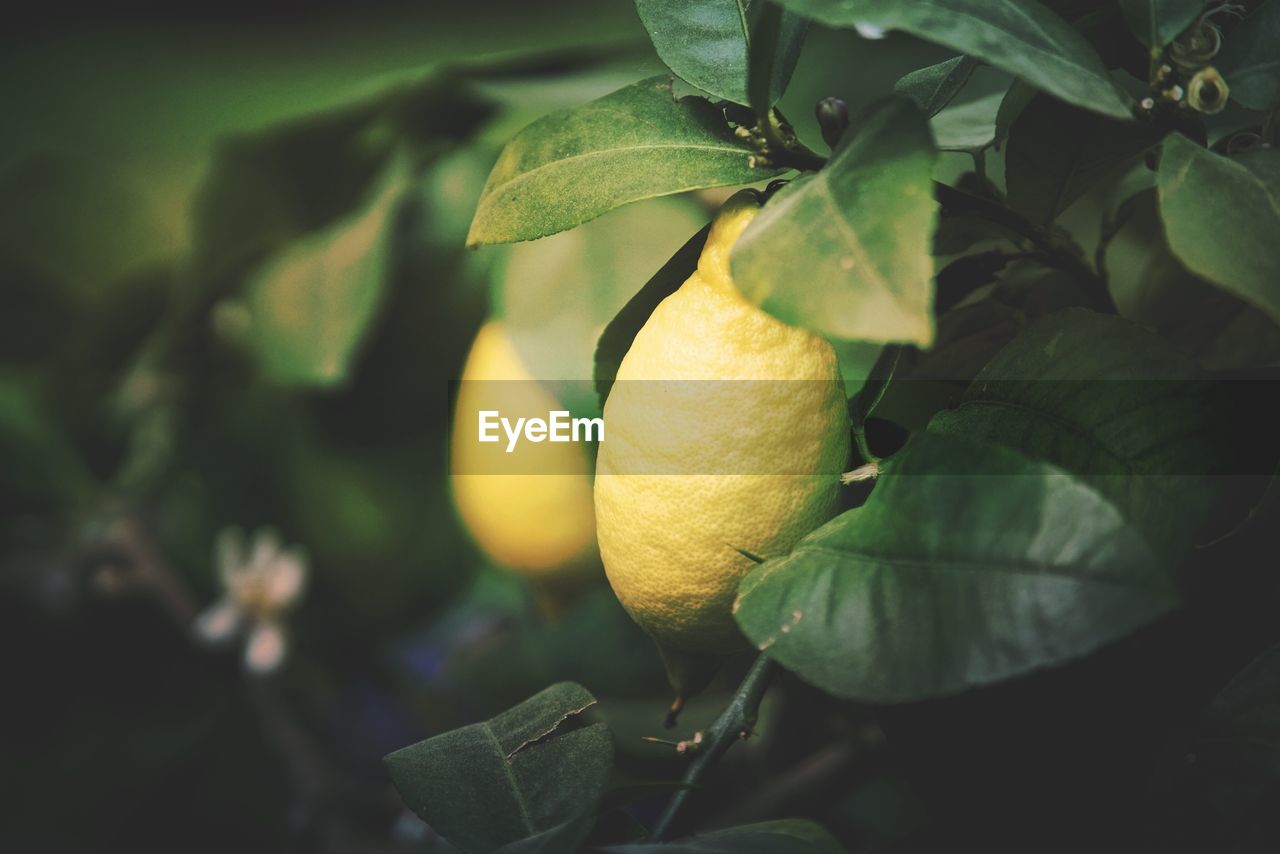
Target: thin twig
x=1051, y=250
x=734, y=724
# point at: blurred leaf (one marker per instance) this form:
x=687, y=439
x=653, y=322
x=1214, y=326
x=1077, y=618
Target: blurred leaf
x=1021, y=37
x=845, y=252
x=1249, y=59
x=639, y=142
x=782, y=836
x=1221, y=218
x=38, y=456
x=618, y=336
x=1239, y=748
x=557, y=294
x=311, y=304
x=1150, y=286
x=81, y=223
x=1048, y=167
x=1158, y=22
x=705, y=43
x=1108, y=401
x=968, y=127
x=267, y=188
x=529, y=770
x=968, y=564
x=933, y=88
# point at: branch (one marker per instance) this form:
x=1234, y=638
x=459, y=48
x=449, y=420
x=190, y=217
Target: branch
x=1050, y=250
x=734, y=724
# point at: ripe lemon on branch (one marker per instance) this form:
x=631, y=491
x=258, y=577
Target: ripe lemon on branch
x=727, y=434
x=531, y=510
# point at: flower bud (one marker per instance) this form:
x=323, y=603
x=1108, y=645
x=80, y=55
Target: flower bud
x=1196, y=47
x=1207, y=92
x=833, y=119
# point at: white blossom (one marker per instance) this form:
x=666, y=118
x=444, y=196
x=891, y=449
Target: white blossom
x=261, y=583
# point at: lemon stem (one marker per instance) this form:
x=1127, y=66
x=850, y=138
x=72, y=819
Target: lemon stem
x=734, y=724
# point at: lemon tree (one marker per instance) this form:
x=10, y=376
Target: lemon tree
x=924, y=360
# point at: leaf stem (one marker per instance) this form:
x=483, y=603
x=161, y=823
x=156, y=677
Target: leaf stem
x=734, y=724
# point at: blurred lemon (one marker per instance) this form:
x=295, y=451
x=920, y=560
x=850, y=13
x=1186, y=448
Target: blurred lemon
x=727, y=433
x=530, y=510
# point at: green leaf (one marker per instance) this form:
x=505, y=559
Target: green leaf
x=1250, y=61
x=1021, y=37
x=637, y=143
x=1151, y=287
x=968, y=127
x=1158, y=22
x=1047, y=168
x=705, y=42
x=266, y=188
x=968, y=564
x=1239, y=748
x=40, y=458
x=1108, y=401
x=1221, y=217
x=618, y=336
x=845, y=252
x=564, y=838
x=311, y=304
x=1248, y=708
x=527, y=771
x=555, y=295
x=933, y=88
x=783, y=836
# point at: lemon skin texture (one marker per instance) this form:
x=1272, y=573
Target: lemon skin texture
x=688, y=472
x=540, y=524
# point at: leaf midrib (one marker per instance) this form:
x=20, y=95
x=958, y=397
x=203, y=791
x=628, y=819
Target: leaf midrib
x=609, y=152
x=1013, y=568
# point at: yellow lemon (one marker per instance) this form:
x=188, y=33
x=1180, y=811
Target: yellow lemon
x=530, y=510
x=727, y=432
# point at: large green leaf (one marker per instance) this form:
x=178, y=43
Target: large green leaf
x=783, y=836
x=639, y=142
x=1150, y=286
x=933, y=88
x=705, y=42
x=1110, y=402
x=1250, y=60
x=311, y=304
x=1021, y=37
x=527, y=771
x=1222, y=216
x=968, y=564
x=1046, y=169
x=1158, y=22
x=846, y=252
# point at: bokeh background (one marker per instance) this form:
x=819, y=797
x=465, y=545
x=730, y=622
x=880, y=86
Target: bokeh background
x=233, y=294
